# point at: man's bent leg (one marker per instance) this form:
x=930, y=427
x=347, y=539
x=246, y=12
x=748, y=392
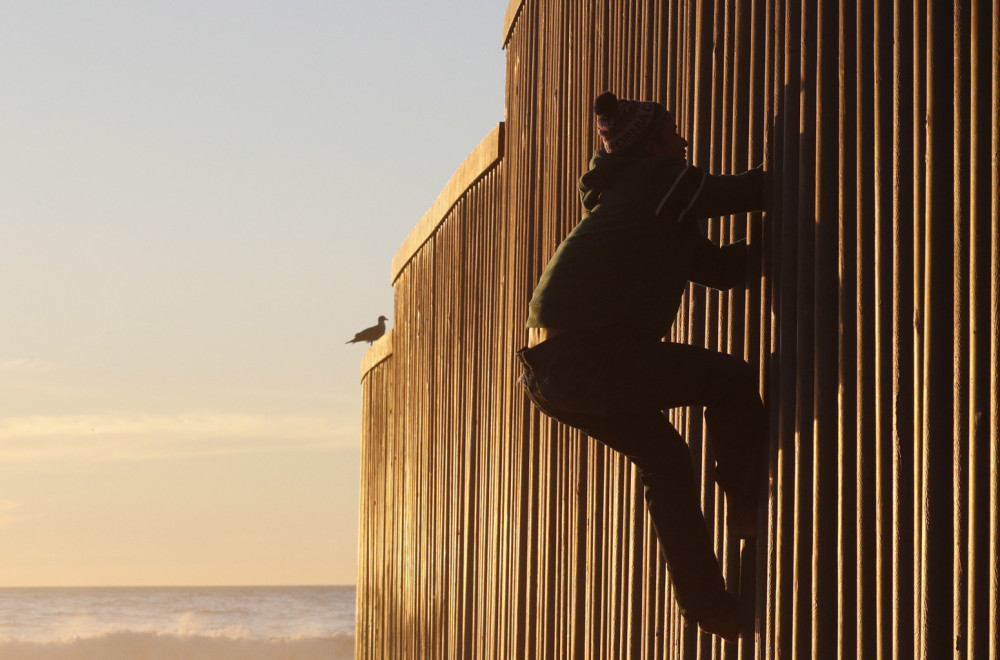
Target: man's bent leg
x=667, y=375
x=664, y=461
x=737, y=429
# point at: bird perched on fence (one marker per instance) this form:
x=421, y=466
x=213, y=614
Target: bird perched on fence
x=370, y=334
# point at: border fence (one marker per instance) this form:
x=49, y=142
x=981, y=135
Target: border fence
x=490, y=531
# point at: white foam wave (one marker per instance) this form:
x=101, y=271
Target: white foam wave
x=128, y=645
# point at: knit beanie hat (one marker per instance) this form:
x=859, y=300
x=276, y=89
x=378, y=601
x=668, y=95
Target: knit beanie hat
x=620, y=122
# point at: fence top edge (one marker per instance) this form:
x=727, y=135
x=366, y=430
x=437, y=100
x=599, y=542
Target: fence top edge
x=376, y=354
x=482, y=159
x=510, y=19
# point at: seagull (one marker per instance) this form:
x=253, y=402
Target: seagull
x=370, y=334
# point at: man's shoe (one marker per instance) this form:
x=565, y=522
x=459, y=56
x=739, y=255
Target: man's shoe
x=725, y=624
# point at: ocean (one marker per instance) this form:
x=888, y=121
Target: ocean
x=177, y=623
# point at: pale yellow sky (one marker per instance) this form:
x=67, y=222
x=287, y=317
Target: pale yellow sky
x=229, y=518
x=199, y=204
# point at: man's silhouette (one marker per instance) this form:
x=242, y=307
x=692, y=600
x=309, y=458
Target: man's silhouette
x=596, y=359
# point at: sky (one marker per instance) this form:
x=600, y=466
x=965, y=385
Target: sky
x=199, y=204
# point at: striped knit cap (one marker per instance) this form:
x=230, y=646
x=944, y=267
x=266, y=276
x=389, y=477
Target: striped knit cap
x=621, y=122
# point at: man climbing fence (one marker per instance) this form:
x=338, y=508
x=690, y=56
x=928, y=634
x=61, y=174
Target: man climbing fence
x=596, y=359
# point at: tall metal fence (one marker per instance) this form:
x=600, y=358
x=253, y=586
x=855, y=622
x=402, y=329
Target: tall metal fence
x=489, y=531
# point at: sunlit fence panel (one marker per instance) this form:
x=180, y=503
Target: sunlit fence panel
x=490, y=531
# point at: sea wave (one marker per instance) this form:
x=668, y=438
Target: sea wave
x=132, y=645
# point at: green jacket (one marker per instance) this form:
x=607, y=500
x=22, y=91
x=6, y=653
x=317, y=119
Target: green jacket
x=626, y=264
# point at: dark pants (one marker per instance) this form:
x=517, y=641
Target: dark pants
x=615, y=391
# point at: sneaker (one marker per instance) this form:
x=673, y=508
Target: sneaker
x=724, y=624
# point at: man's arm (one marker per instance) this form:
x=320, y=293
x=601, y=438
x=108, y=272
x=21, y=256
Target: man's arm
x=695, y=194
x=717, y=267
x=727, y=194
